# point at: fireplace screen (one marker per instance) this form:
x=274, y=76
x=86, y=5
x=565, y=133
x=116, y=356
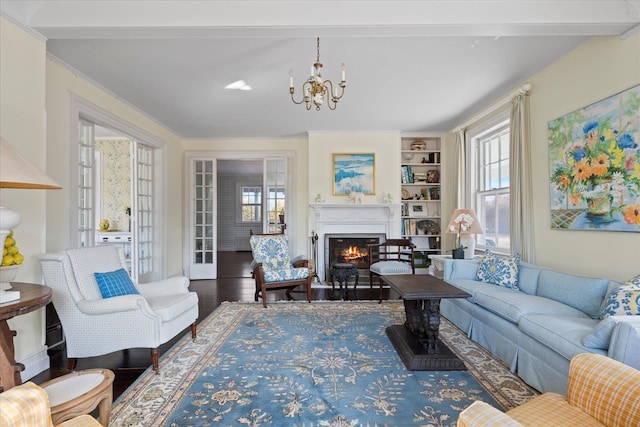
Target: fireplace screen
x=350, y=248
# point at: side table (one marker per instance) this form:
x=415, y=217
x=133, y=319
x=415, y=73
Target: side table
x=32, y=297
x=340, y=272
x=79, y=393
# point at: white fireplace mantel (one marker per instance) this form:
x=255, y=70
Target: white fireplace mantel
x=351, y=218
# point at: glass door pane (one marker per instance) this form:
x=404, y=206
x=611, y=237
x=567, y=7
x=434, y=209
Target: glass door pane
x=203, y=219
x=275, y=179
x=86, y=219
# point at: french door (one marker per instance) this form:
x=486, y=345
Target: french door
x=202, y=206
x=142, y=201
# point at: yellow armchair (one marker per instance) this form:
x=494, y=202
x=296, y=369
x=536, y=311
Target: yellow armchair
x=27, y=405
x=602, y=392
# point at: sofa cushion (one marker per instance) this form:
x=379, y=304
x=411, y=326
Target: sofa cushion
x=512, y=304
x=528, y=278
x=624, y=301
x=551, y=409
x=584, y=293
x=499, y=270
x=600, y=336
x=115, y=283
x=562, y=334
x=472, y=286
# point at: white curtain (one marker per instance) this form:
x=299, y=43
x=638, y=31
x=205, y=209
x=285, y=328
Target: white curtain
x=522, y=236
x=460, y=172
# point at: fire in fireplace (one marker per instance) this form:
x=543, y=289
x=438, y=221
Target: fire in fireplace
x=351, y=248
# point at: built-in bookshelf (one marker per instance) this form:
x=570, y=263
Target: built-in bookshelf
x=421, y=186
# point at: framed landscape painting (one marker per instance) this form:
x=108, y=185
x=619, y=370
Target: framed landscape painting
x=354, y=172
x=594, y=161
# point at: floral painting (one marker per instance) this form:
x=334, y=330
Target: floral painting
x=354, y=173
x=595, y=165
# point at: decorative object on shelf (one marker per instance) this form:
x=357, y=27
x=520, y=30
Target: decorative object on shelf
x=127, y=212
x=417, y=209
x=464, y=223
x=405, y=194
x=317, y=90
x=319, y=198
x=407, y=156
x=11, y=260
x=18, y=172
x=356, y=197
x=104, y=224
x=428, y=226
x=354, y=172
x=594, y=185
x=387, y=198
x=433, y=176
x=418, y=144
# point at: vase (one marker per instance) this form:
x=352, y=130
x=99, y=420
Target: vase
x=599, y=204
x=457, y=253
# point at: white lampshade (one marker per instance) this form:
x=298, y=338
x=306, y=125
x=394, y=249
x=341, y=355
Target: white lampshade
x=18, y=172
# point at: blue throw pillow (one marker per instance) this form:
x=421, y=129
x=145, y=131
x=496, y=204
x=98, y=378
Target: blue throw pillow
x=115, y=283
x=499, y=270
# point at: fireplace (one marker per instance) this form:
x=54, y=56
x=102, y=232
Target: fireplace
x=351, y=220
x=350, y=247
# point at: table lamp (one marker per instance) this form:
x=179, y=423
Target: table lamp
x=464, y=223
x=17, y=172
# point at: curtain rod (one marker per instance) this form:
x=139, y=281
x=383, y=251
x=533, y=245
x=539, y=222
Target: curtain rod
x=521, y=91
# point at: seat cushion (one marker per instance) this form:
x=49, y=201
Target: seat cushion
x=390, y=267
x=512, y=304
x=168, y=307
x=551, y=409
x=115, y=283
x=286, y=274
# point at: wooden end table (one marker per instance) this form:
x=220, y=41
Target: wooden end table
x=32, y=297
x=417, y=341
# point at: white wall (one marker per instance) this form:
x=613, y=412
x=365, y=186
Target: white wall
x=601, y=67
x=298, y=236
x=385, y=146
x=597, y=69
x=60, y=84
x=22, y=123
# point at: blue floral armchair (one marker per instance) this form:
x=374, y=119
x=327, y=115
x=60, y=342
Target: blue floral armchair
x=273, y=268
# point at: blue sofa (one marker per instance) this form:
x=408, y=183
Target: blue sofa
x=538, y=328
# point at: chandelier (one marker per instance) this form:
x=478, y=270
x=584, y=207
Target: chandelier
x=316, y=90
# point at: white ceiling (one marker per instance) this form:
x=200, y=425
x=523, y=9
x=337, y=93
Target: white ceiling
x=410, y=65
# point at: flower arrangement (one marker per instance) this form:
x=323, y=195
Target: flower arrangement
x=602, y=170
x=461, y=224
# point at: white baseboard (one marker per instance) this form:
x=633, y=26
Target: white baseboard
x=34, y=364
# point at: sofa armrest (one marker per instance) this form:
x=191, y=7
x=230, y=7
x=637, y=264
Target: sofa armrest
x=625, y=344
x=113, y=305
x=169, y=286
x=460, y=268
x=604, y=389
x=481, y=414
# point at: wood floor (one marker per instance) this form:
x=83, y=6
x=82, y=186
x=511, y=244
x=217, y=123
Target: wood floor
x=234, y=283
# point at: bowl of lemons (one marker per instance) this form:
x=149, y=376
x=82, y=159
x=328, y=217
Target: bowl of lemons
x=11, y=260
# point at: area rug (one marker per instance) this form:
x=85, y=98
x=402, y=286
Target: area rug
x=310, y=364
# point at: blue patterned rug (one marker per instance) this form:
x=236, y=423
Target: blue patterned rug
x=318, y=364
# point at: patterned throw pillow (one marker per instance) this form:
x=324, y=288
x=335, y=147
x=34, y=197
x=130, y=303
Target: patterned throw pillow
x=624, y=300
x=499, y=270
x=115, y=283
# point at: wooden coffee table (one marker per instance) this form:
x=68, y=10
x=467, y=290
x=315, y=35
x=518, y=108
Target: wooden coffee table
x=417, y=341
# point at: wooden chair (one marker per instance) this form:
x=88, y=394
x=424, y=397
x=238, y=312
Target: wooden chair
x=393, y=256
x=274, y=269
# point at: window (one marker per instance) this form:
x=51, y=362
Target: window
x=250, y=203
x=490, y=185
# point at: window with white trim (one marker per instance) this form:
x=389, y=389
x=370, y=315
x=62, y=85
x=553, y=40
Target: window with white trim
x=490, y=191
x=250, y=206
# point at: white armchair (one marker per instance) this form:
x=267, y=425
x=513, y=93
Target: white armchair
x=94, y=325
